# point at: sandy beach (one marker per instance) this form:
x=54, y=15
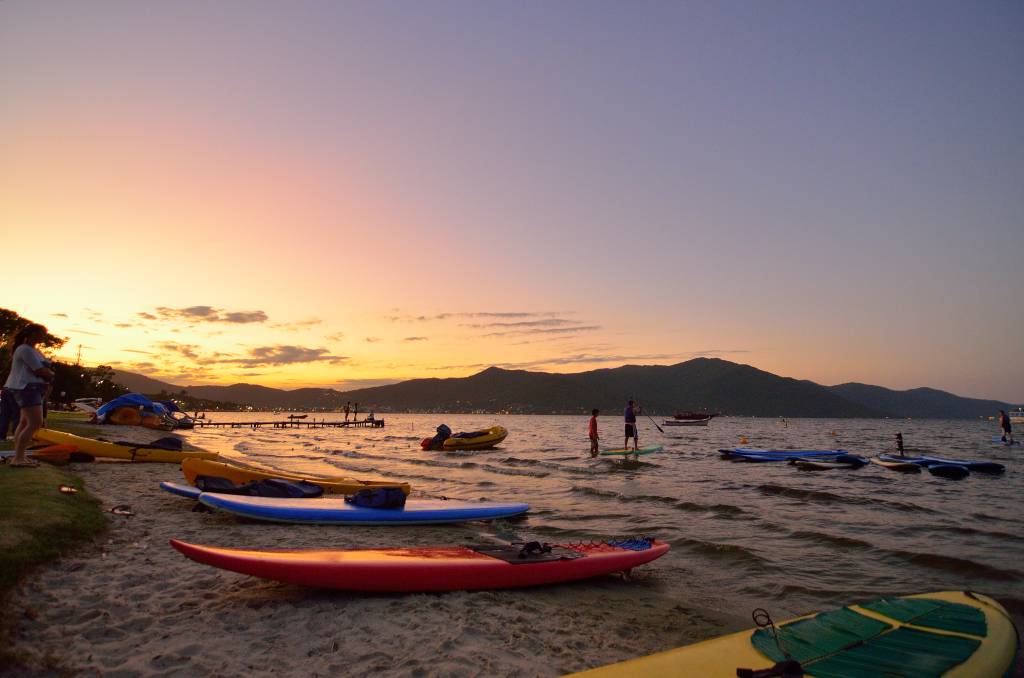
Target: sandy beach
x=131, y=605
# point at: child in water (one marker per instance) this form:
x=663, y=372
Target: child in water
x=593, y=433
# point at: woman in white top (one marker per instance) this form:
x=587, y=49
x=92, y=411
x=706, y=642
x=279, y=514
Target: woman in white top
x=29, y=380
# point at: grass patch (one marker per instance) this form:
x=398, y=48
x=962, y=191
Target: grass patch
x=39, y=523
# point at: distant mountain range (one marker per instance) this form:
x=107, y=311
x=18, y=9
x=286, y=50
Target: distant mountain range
x=707, y=384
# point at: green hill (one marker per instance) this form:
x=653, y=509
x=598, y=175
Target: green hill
x=701, y=384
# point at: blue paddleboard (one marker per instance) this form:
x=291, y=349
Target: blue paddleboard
x=751, y=454
x=181, y=490
x=335, y=511
x=929, y=461
x=999, y=441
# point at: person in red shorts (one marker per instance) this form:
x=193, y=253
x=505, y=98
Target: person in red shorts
x=593, y=433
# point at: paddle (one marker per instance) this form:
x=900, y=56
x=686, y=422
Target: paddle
x=653, y=422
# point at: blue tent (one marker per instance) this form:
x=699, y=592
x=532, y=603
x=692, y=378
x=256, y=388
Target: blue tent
x=132, y=400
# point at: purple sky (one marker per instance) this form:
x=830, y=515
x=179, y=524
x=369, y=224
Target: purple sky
x=831, y=191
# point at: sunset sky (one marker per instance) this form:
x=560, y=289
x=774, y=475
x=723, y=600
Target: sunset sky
x=350, y=193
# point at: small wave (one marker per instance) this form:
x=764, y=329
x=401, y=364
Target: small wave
x=787, y=591
x=292, y=455
x=970, y=532
x=823, y=497
x=715, y=550
x=517, y=460
x=435, y=463
x=551, y=464
x=986, y=516
x=961, y=566
x=468, y=453
x=721, y=510
x=514, y=472
x=831, y=539
x=351, y=454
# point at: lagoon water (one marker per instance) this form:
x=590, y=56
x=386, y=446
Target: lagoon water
x=743, y=535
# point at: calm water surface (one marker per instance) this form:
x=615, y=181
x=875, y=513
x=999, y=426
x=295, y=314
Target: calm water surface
x=743, y=535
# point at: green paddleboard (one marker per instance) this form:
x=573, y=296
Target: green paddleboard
x=630, y=453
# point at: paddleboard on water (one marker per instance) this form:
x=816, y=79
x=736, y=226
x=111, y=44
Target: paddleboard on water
x=903, y=467
x=781, y=455
x=999, y=441
x=926, y=460
x=744, y=454
x=336, y=511
x=847, y=461
x=181, y=490
x=952, y=471
x=949, y=633
x=625, y=452
x=423, y=569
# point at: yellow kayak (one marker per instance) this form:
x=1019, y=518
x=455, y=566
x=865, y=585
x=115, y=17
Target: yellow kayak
x=957, y=634
x=193, y=468
x=487, y=439
x=100, y=448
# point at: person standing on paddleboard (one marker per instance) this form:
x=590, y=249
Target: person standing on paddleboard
x=630, y=416
x=1004, y=423
x=593, y=433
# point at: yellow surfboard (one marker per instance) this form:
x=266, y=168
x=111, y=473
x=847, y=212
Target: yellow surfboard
x=956, y=634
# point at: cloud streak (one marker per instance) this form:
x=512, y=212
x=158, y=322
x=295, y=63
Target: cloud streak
x=297, y=325
x=546, y=322
x=196, y=314
x=543, y=331
x=190, y=351
x=262, y=356
x=498, y=315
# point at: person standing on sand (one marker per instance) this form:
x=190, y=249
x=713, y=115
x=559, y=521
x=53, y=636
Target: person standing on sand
x=1004, y=423
x=593, y=433
x=630, y=417
x=347, y=409
x=28, y=382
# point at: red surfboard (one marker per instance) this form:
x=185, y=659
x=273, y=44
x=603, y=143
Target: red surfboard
x=422, y=569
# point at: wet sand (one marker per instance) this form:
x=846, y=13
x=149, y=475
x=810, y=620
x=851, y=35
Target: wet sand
x=131, y=605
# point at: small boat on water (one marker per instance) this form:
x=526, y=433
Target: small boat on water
x=686, y=422
x=694, y=416
x=690, y=418
x=476, y=440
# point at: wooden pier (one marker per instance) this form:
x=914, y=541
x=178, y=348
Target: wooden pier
x=292, y=423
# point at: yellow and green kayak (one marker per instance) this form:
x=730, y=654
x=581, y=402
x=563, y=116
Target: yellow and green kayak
x=950, y=633
x=238, y=474
x=104, y=449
